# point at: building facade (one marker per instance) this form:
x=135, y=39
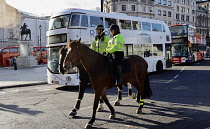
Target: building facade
x=170, y=11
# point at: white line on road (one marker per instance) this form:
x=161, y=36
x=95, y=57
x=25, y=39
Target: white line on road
x=182, y=70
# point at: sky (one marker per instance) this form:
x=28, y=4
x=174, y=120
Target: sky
x=47, y=7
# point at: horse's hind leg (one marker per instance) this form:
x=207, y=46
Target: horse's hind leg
x=119, y=98
x=132, y=95
x=140, y=96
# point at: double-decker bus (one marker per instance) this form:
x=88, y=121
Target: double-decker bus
x=148, y=38
x=187, y=45
x=8, y=53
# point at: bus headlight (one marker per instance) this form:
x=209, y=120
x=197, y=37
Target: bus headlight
x=68, y=79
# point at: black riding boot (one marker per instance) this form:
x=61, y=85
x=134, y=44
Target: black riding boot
x=119, y=75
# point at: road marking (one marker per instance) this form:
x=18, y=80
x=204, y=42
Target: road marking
x=182, y=70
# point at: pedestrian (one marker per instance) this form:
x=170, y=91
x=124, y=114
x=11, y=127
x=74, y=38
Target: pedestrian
x=116, y=49
x=100, y=42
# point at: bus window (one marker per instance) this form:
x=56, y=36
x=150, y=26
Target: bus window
x=84, y=21
x=157, y=50
x=59, y=22
x=164, y=29
x=156, y=27
x=136, y=25
x=125, y=24
x=147, y=50
x=146, y=26
x=94, y=21
x=138, y=50
x=109, y=22
x=75, y=18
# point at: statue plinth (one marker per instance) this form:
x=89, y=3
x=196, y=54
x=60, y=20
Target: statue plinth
x=26, y=58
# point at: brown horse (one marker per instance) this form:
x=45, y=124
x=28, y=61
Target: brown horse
x=102, y=77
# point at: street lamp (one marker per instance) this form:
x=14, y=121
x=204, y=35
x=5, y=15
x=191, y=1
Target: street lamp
x=40, y=28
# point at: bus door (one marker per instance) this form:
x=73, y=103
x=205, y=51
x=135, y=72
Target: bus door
x=168, y=56
x=128, y=49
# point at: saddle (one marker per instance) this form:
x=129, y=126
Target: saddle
x=124, y=64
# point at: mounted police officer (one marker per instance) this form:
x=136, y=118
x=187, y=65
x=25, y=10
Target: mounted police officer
x=116, y=49
x=100, y=42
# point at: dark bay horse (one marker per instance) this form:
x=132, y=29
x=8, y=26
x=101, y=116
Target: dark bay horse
x=25, y=32
x=101, y=77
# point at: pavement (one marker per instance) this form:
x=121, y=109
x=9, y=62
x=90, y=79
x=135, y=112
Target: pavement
x=23, y=77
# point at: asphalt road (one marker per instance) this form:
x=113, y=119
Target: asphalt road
x=181, y=100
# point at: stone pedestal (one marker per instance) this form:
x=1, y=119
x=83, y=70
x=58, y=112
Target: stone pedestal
x=26, y=58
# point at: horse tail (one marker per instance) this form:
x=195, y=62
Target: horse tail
x=147, y=90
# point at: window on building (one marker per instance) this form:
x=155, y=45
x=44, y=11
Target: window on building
x=183, y=9
x=123, y=7
x=136, y=25
x=164, y=2
x=159, y=1
x=159, y=12
x=177, y=8
x=169, y=23
x=177, y=1
x=94, y=21
x=133, y=8
x=182, y=17
x=187, y=2
x=169, y=14
x=169, y=3
x=109, y=22
x=177, y=16
x=188, y=10
x=144, y=8
x=182, y=1
x=164, y=13
x=188, y=18
x=193, y=19
x=84, y=21
x=125, y=24
x=156, y=27
x=193, y=11
x=146, y=26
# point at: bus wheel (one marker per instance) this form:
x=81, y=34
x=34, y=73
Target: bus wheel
x=159, y=67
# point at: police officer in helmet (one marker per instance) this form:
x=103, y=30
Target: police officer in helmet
x=100, y=42
x=116, y=48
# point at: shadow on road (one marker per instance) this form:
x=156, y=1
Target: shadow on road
x=18, y=110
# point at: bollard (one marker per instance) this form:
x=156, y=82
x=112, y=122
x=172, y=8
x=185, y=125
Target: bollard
x=15, y=63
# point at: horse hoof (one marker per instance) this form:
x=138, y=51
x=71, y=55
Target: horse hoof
x=72, y=114
x=133, y=96
x=138, y=111
x=112, y=117
x=88, y=126
x=100, y=109
x=117, y=103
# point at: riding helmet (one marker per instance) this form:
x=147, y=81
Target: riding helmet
x=116, y=28
x=98, y=27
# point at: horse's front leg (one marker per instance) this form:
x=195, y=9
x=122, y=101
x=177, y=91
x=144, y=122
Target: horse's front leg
x=119, y=98
x=103, y=94
x=95, y=106
x=80, y=97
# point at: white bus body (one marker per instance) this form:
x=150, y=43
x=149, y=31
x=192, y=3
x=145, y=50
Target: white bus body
x=140, y=34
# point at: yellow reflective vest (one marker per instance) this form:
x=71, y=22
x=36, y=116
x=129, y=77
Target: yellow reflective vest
x=99, y=45
x=115, y=44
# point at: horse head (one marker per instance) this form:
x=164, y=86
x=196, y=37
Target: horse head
x=72, y=57
x=62, y=53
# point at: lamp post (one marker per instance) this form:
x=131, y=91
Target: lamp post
x=40, y=28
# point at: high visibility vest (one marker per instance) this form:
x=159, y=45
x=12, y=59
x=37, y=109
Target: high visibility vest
x=115, y=44
x=100, y=44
